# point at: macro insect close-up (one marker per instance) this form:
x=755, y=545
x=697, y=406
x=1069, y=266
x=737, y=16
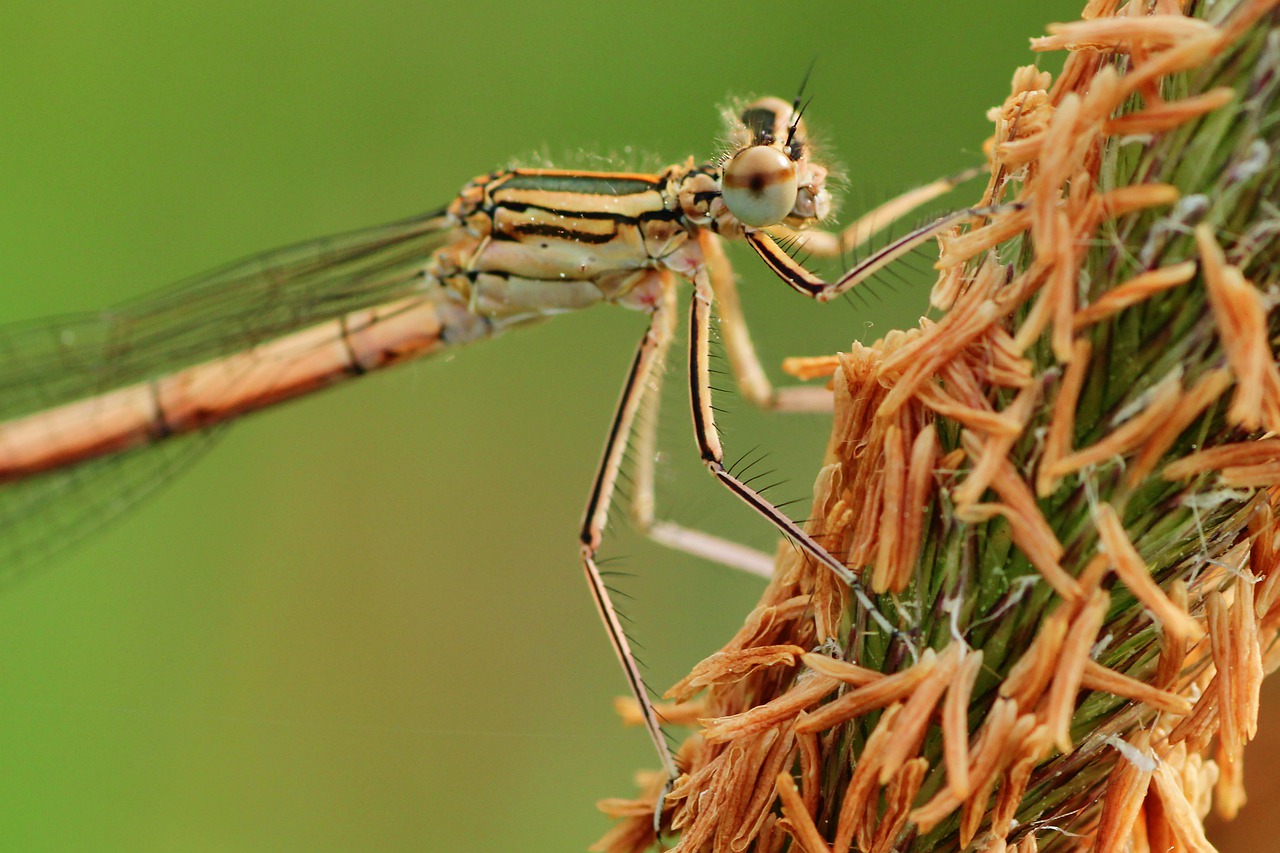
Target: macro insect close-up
x=359, y=621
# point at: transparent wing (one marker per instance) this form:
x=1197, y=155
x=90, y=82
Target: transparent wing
x=55, y=360
x=44, y=515
x=48, y=362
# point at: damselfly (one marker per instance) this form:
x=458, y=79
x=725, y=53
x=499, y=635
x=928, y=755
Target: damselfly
x=514, y=247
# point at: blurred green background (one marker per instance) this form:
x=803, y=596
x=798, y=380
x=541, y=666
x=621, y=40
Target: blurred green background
x=360, y=623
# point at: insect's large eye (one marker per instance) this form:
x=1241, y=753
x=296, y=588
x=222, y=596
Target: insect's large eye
x=759, y=186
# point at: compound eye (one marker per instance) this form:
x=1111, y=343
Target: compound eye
x=759, y=186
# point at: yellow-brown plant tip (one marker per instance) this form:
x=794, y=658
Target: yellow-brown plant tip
x=1061, y=492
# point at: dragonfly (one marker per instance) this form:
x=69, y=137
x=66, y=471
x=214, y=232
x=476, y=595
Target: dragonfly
x=515, y=246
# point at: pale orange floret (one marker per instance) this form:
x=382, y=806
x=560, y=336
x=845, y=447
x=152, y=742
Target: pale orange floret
x=1197, y=729
x=1173, y=647
x=1267, y=605
x=1241, y=318
x=1037, y=318
x=893, y=480
x=918, y=711
x=1250, y=476
x=757, y=810
x=810, y=769
x=1228, y=791
x=1041, y=551
x=1247, y=666
x=1081, y=635
x=761, y=717
x=798, y=821
x=1004, y=364
x=865, y=544
x=1230, y=729
x=771, y=838
x=946, y=289
x=1030, y=751
x=995, y=450
x=676, y=713
x=1190, y=406
x=1105, y=33
x=976, y=808
x=1264, y=552
x=857, y=795
x=1050, y=227
x=927, y=354
x=871, y=697
x=1030, y=676
x=699, y=825
x=811, y=367
x=1028, y=526
x=752, y=797
x=951, y=462
x=728, y=666
x=1170, y=114
x=1128, y=436
x=1125, y=200
x=1122, y=803
x=962, y=377
x=1140, y=52
x=1055, y=167
x=739, y=783
x=1062, y=425
x=993, y=736
x=955, y=724
x=1019, y=152
x=1098, y=677
x=1133, y=572
x=982, y=419
x=960, y=248
x=1060, y=291
x=1187, y=55
x=1242, y=453
x=920, y=474
x=1181, y=817
x=1020, y=120
x=1095, y=571
x=1243, y=677
x=899, y=796
x=849, y=673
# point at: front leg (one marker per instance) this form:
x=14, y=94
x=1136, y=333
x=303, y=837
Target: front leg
x=832, y=244
x=800, y=279
x=752, y=381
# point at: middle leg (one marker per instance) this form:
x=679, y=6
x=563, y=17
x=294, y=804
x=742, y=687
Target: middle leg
x=643, y=509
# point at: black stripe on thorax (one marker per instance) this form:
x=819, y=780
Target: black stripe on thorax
x=587, y=183
x=561, y=233
x=661, y=214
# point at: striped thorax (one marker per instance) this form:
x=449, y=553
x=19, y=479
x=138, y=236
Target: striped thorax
x=533, y=242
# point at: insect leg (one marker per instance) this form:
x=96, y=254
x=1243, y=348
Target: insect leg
x=643, y=505
x=830, y=244
x=648, y=355
x=798, y=278
x=743, y=360
x=712, y=451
